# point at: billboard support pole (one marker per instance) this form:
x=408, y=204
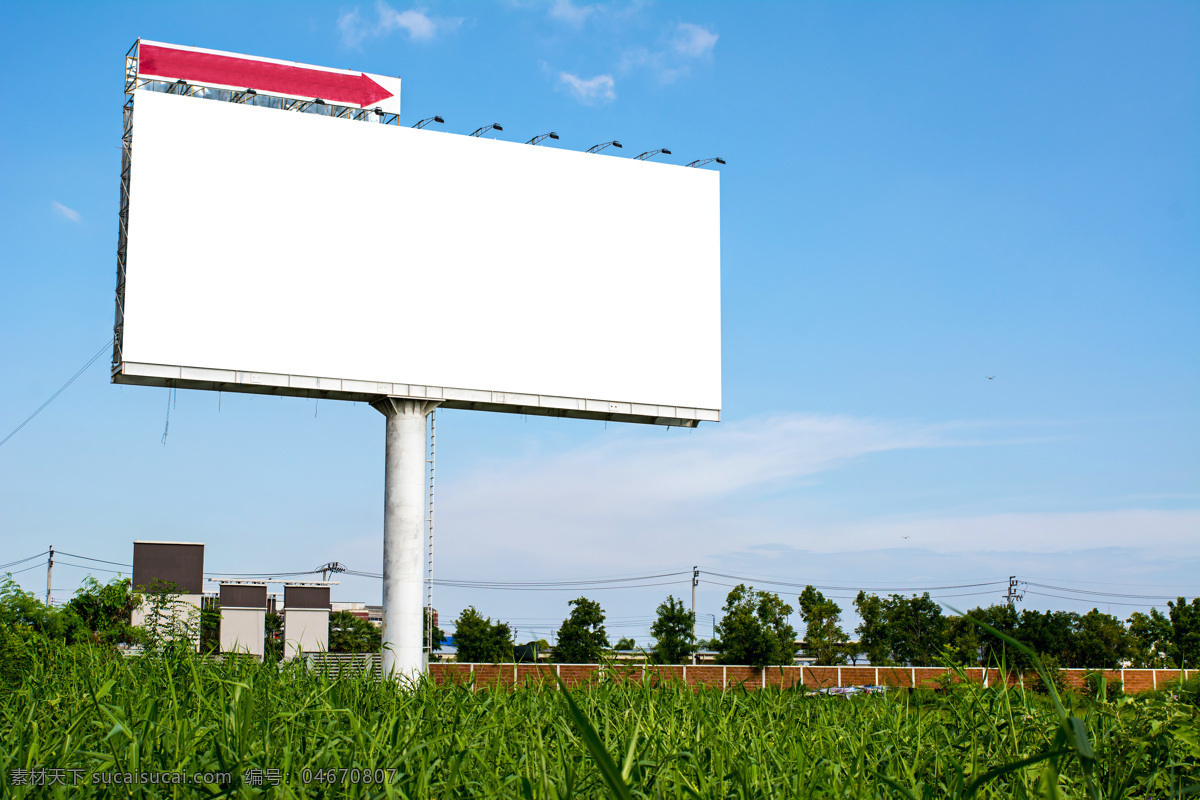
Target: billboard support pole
x=403, y=531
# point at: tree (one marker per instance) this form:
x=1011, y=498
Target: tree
x=874, y=638
x=994, y=651
x=625, y=643
x=581, y=638
x=478, y=640
x=1048, y=633
x=920, y=630
x=105, y=609
x=824, y=638
x=1099, y=642
x=672, y=632
x=1185, y=632
x=351, y=634
x=901, y=630
x=754, y=630
x=210, y=629
x=273, y=638
x=1150, y=640
x=171, y=625
x=963, y=644
x=25, y=614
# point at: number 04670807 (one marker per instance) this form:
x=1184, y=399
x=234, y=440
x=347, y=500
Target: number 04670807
x=348, y=775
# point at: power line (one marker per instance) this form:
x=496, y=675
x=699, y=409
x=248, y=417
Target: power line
x=566, y=583
x=566, y=586
x=1110, y=583
x=86, y=566
x=650, y=580
x=1086, y=600
x=22, y=561
x=580, y=587
x=266, y=574
x=771, y=582
x=853, y=597
x=61, y=389
x=89, y=558
x=35, y=566
x=1102, y=594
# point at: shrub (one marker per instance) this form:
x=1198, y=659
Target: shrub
x=1059, y=677
x=15, y=658
x=1098, y=687
x=1186, y=690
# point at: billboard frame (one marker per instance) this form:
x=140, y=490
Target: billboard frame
x=326, y=387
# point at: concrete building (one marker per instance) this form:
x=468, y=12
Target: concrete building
x=172, y=573
x=305, y=619
x=243, y=617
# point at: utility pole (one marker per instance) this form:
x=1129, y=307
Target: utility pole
x=50, y=572
x=695, y=583
x=332, y=566
x=1013, y=595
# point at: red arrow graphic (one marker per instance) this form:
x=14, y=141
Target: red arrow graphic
x=333, y=87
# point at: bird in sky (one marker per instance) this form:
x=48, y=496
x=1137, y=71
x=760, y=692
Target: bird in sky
x=991, y=377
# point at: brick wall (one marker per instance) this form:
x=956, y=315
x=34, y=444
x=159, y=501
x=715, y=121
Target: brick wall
x=717, y=677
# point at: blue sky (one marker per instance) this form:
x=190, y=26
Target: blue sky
x=917, y=196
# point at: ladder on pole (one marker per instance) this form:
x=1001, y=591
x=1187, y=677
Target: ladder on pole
x=432, y=461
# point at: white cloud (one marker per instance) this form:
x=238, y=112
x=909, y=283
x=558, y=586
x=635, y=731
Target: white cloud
x=1176, y=531
x=415, y=22
x=68, y=213
x=671, y=486
x=694, y=41
x=568, y=12
x=589, y=90
x=721, y=492
x=657, y=473
x=674, y=57
x=350, y=24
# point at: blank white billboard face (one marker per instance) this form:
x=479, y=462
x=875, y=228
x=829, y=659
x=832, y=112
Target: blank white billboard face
x=293, y=253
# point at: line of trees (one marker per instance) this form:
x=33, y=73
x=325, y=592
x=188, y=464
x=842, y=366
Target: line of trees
x=754, y=630
x=913, y=630
x=894, y=630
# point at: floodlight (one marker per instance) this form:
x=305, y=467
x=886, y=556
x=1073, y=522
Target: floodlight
x=486, y=128
x=542, y=137
x=652, y=154
x=422, y=123
x=597, y=148
x=700, y=162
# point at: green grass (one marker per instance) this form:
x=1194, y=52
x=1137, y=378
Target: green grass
x=79, y=708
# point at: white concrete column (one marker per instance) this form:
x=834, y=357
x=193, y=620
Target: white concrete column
x=403, y=535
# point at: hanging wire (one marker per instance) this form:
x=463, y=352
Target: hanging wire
x=89, y=558
x=167, y=426
x=35, y=566
x=61, y=389
x=22, y=560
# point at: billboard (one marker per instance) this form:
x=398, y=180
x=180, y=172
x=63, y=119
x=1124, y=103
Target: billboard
x=292, y=253
x=180, y=563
